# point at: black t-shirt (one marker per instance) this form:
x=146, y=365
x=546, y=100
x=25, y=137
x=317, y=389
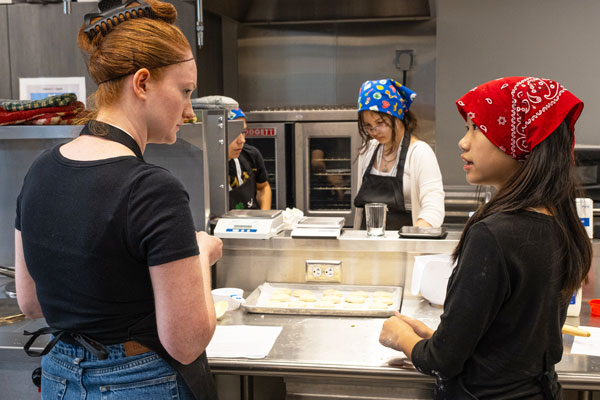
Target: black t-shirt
x=503, y=309
x=90, y=231
x=250, y=161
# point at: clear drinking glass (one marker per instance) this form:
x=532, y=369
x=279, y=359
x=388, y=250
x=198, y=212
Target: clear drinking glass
x=375, y=214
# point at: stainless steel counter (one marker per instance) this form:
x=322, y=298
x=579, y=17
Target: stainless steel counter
x=346, y=348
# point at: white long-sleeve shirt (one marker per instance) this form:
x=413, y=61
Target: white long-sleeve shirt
x=422, y=181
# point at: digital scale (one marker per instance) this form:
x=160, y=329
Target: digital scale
x=319, y=227
x=249, y=224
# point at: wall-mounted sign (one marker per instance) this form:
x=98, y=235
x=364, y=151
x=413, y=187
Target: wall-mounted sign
x=39, y=88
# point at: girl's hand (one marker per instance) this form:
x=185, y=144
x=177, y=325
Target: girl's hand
x=399, y=335
x=418, y=327
x=211, y=246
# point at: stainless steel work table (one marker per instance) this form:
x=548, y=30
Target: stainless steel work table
x=345, y=347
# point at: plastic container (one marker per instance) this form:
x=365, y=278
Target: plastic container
x=595, y=306
x=233, y=297
x=585, y=210
x=574, y=304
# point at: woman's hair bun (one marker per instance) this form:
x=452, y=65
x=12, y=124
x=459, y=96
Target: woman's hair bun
x=161, y=11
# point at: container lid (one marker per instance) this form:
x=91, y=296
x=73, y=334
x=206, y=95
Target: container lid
x=214, y=102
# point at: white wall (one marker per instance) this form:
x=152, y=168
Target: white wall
x=479, y=40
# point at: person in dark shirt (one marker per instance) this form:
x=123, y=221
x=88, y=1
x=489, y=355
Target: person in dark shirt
x=521, y=256
x=105, y=244
x=248, y=180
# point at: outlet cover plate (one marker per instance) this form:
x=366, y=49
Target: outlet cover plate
x=323, y=271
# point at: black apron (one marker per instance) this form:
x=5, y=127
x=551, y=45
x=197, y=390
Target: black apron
x=196, y=375
x=386, y=189
x=243, y=196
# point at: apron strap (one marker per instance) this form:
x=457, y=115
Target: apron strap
x=403, y=151
x=113, y=134
x=238, y=170
x=97, y=349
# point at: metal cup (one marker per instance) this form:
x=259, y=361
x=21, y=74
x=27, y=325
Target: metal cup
x=375, y=214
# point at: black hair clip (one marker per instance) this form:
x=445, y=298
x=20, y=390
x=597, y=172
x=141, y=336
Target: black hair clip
x=113, y=12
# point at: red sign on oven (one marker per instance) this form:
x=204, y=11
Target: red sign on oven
x=261, y=132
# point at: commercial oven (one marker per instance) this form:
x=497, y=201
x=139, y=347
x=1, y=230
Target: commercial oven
x=314, y=168
x=270, y=140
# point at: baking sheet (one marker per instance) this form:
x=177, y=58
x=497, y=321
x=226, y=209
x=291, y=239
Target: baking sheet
x=258, y=299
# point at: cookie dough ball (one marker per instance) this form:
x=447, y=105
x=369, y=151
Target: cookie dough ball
x=360, y=293
x=382, y=294
x=333, y=299
x=385, y=300
x=280, y=297
x=309, y=298
x=355, y=299
x=282, y=290
x=332, y=292
x=378, y=306
x=297, y=304
x=274, y=303
x=300, y=292
x=324, y=304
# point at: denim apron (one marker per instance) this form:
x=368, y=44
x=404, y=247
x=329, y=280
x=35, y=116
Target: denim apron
x=196, y=375
x=386, y=189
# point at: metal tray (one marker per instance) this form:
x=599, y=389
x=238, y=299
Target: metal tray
x=251, y=302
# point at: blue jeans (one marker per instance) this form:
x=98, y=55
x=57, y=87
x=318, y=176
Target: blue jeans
x=70, y=372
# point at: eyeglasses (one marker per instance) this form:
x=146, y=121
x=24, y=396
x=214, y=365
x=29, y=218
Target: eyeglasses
x=377, y=128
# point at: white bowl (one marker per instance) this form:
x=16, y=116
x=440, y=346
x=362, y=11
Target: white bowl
x=233, y=297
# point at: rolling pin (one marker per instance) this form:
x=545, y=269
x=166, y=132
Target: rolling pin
x=571, y=330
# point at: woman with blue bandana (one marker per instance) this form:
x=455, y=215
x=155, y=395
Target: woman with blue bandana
x=394, y=167
x=248, y=184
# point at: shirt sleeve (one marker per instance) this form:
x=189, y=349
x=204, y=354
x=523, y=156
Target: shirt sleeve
x=478, y=288
x=18, y=215
x=426, y=171
x=160, y=222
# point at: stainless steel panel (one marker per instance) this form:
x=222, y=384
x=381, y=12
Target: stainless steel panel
x=382, y=261
x=216, y=139
x=5, y=89
x=282, y=11
x=303, y=133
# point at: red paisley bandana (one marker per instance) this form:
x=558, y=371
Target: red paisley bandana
x=517, y=113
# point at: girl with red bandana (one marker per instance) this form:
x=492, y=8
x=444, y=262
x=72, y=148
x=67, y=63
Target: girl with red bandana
x=521, y=256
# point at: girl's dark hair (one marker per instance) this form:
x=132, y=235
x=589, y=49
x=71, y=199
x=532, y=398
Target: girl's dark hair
x=410, y=125
x=547, y=178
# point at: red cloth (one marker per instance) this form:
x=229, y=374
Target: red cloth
x=517, y=113
x=23, y=117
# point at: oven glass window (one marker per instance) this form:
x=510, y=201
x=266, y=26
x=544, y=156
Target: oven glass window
x=266, y=146
x=330, y=185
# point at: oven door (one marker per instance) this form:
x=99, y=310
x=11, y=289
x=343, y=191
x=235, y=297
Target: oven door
x=269, y=139
x=326, y=169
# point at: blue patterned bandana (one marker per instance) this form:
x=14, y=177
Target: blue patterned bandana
x=236, y=113
x=386, y=96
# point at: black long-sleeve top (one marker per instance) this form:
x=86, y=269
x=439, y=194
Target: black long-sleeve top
x=503, y=311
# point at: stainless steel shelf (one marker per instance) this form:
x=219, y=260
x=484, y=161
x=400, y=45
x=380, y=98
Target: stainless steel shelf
x=26, y=132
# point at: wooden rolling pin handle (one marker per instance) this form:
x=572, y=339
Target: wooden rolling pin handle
x=571, y=330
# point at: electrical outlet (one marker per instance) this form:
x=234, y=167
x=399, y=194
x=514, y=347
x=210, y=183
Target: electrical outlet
x=323, y=271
